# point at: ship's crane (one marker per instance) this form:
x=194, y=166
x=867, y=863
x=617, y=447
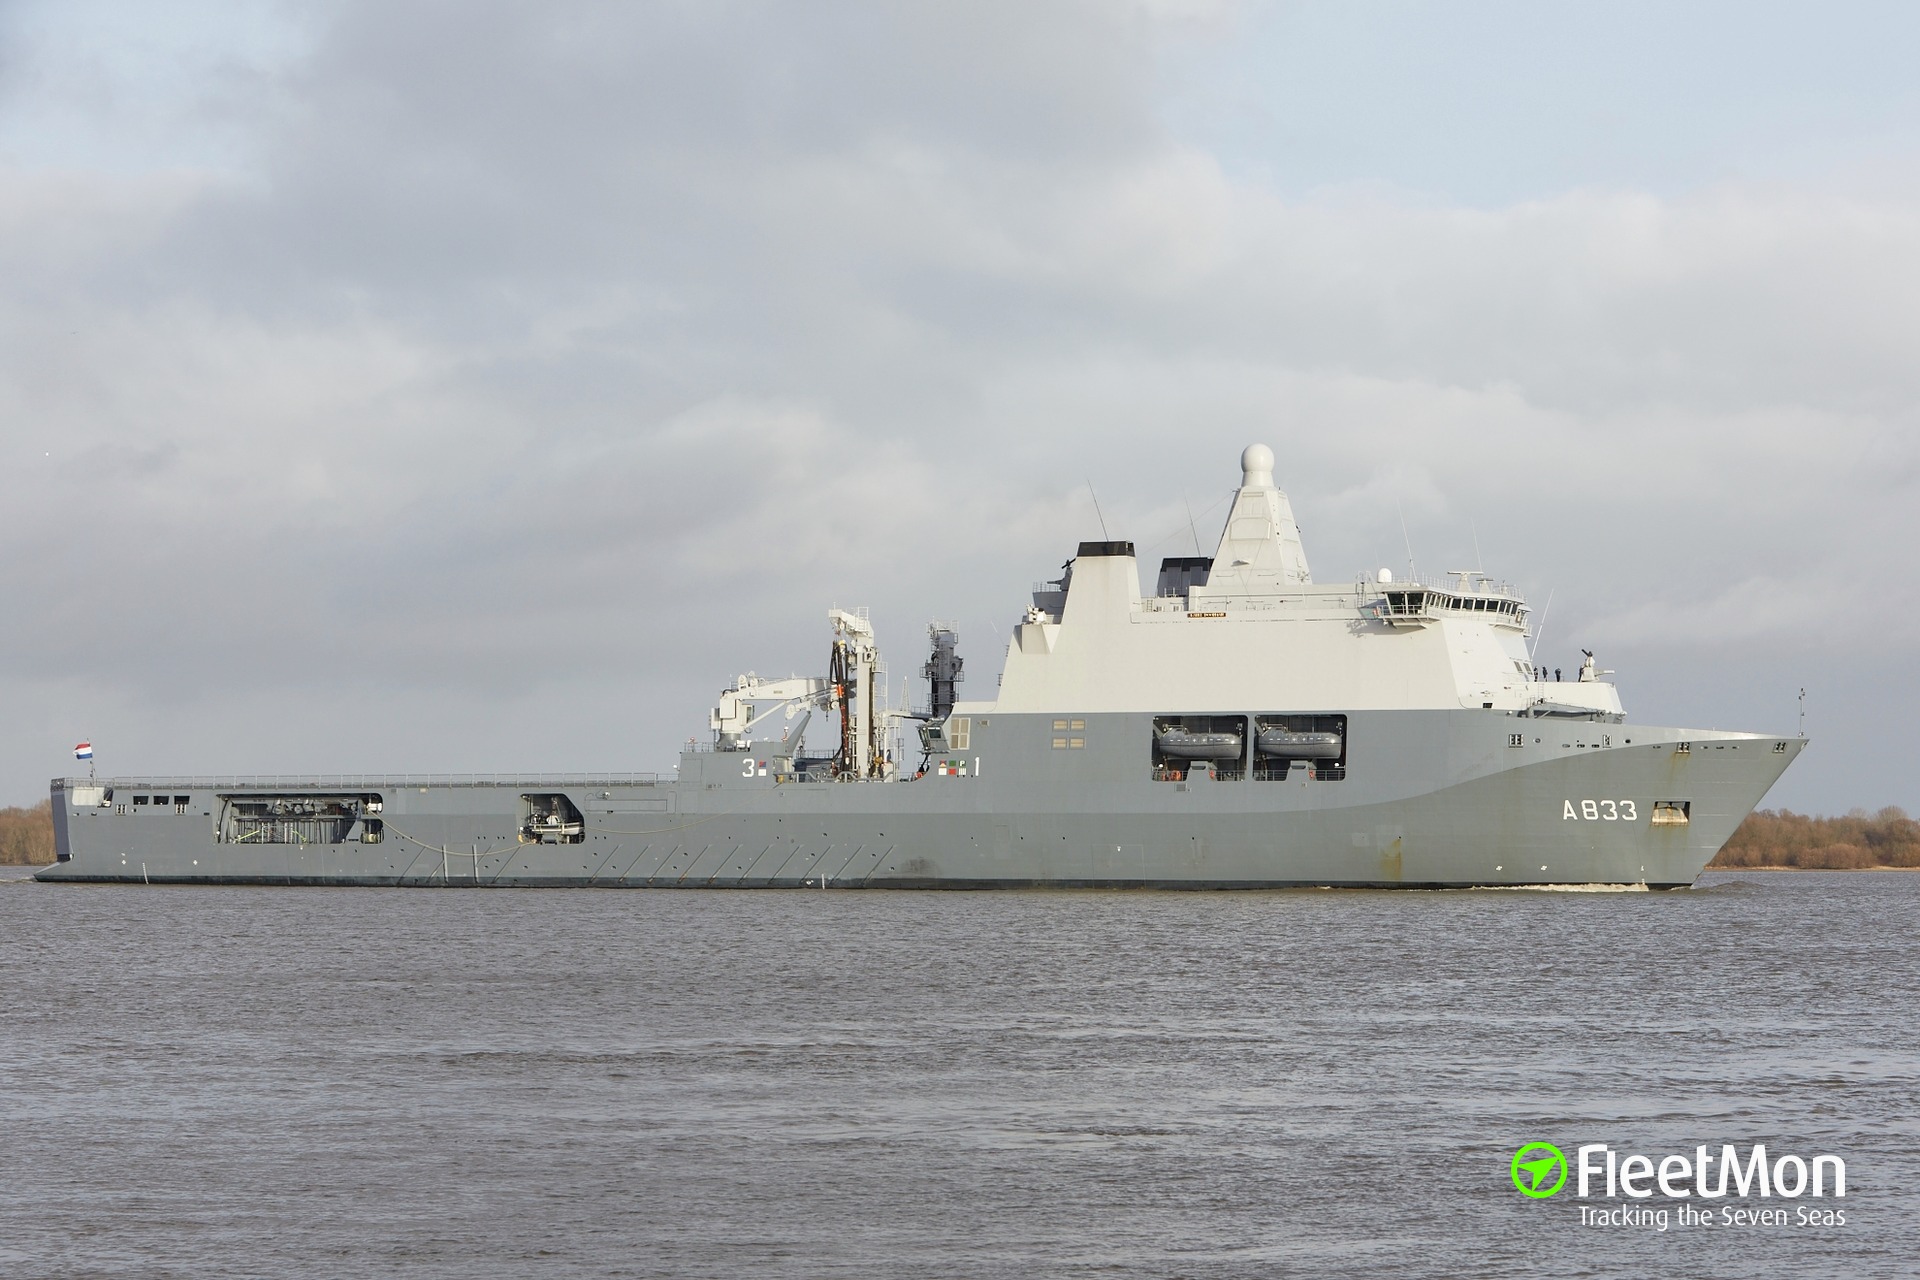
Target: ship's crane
x=854, y=690
x=733, y=721
x=857, y=680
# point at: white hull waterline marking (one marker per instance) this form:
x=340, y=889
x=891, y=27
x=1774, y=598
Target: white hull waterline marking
x=1242, y=726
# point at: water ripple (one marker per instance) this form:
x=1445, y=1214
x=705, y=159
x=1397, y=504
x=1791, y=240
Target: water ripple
x=236, y=1082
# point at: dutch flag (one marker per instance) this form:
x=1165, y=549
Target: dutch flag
x=83, y=751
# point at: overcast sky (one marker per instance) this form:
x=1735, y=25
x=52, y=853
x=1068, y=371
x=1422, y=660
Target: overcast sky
x=480, y=386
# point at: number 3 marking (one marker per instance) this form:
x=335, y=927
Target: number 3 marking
x=1632, y=814
x=1612, y=814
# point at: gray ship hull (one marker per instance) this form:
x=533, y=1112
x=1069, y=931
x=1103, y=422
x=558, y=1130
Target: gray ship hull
x=1422, y=799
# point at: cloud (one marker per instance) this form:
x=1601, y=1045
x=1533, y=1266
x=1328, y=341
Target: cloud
x=580, y=359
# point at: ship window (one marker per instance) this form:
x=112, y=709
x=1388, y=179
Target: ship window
x=139, y=799
x=1059, y=744
x=183, y=799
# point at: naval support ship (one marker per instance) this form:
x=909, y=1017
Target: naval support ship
x=1241, y=726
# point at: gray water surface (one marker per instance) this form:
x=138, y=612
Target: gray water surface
x=470, y=1082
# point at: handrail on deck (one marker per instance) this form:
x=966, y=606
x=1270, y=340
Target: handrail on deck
x=335, y=781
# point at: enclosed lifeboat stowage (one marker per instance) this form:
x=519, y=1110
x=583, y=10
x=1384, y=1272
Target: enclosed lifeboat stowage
x=1194, y=744
x=1291, y=744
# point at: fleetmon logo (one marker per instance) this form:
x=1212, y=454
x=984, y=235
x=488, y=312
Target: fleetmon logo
x=1539, y=1169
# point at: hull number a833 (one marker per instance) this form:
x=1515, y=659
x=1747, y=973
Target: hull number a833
x=1599, y=811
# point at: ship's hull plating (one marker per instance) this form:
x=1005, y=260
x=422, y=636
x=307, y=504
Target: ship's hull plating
x=1428, y=800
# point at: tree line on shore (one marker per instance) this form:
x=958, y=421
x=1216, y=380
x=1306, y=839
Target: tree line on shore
x=26, y=835
x=1768, y=838
x=1783, y=838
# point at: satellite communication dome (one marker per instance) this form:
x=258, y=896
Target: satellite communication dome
x=1256, y=465
x=1386, y=576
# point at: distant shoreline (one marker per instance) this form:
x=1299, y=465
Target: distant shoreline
x=1730, y=870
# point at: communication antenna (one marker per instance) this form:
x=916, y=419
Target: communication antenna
x=1541, y=629
x=1413, y=575
x=1096, y=511
x=1479, y=562
x=1190, y=525
x=1803, y=713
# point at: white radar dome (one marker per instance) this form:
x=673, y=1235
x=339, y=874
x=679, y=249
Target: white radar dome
x=1256, y=465
x=1386, y=576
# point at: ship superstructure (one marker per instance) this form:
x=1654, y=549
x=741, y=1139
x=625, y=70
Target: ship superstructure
x=1240, y=725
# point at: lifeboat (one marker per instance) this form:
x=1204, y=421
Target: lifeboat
x=1193, y=744
x=1289, y=744
x=551, y=828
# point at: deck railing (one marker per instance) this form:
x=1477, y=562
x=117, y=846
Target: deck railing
x=339, y=781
